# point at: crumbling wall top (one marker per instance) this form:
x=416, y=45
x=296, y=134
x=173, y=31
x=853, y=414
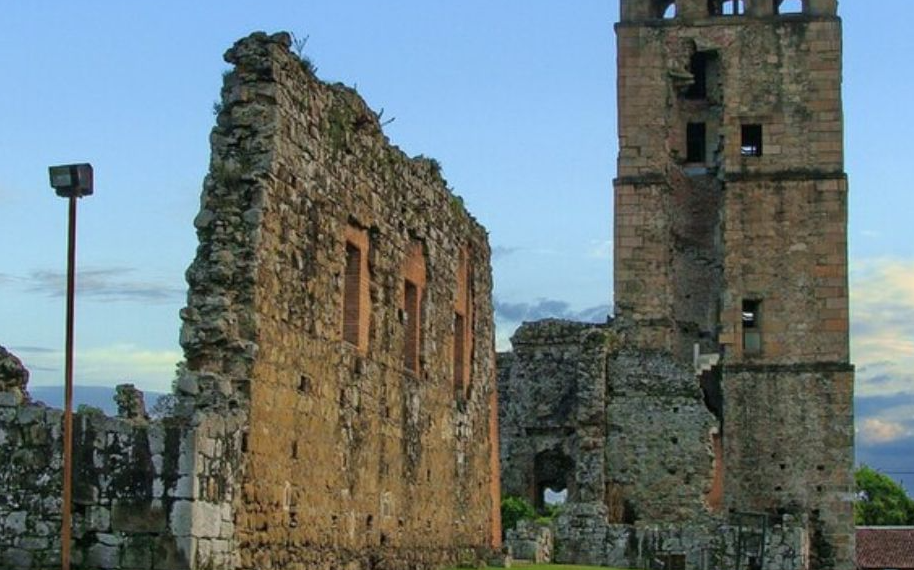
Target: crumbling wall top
x=13, y=375
x=735, y=10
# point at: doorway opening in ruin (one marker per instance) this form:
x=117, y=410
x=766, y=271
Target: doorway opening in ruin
x=554, y=497
x=554, y=479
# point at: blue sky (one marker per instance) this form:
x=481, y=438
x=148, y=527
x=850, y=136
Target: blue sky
x=515, y=98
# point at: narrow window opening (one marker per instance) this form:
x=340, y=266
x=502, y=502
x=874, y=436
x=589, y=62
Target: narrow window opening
x=670, y=12
x=788, y=7
x=352, y=308
x=699, y=68
x=751, y=317
x=751, y=144
x=696, y=135
x=459, y=352
x=463, y=326
x=413, y=323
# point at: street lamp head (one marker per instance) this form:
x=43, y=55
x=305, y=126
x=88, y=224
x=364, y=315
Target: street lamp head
x=71, y=180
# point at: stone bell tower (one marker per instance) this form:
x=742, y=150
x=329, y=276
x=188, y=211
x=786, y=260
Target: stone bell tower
x=731, y=240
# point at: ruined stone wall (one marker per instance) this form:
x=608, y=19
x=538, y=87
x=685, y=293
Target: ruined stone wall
x=552, y=400
x=348, y=442
x=659, y=441
x=138, y=488
x=326, y=415
x=627, y=434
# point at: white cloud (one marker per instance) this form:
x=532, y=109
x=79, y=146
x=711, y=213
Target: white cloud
x=148, y=369
x=882, y=325
x=876, y=431
x=104, y=284
x=601, y=249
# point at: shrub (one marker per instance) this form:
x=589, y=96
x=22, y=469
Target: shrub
x=515, y=509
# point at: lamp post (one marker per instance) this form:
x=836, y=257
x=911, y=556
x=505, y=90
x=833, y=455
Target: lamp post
x=70, y=181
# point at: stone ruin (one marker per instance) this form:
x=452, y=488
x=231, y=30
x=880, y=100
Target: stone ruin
x=340, y=365
x=337, y=407
x=710, y=423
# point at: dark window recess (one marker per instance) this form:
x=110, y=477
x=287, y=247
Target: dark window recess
x=751, y=144
x=752, y=336
x=699, y=69
x=674, y=561
x=696, y=135
x=413, y=327
x=351, y=301
x=459, y=352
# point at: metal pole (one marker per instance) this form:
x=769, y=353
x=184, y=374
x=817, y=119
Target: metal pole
x=65, y=531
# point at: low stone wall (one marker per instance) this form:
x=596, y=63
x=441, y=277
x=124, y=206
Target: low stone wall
x=531, y=540
x=586, y=538
x=146, y=495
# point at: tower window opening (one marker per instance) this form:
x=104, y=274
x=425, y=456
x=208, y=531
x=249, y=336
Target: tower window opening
x=726, y=7
x=696, y=147
x=666, y=10
x=751, y=144
x=733, y=8
x=751, y=317
x=788, y=7
x=699, y=69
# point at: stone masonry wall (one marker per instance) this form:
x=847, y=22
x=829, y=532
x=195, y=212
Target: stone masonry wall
x=783, y=74
x=659, y=455
x=625, y=430
x=552, y=398
x=732, y=250
x=345, y=446
x=291, y=445
x=640, y=485
x=138, y=488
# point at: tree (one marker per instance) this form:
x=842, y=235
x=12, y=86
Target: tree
x=880, y=500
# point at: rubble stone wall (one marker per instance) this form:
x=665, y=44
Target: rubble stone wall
x=659, y=457
x=144, y=493
x=347, y=444
x=552, y=402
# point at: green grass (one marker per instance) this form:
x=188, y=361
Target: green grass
x=531, y=566
x=526, y=566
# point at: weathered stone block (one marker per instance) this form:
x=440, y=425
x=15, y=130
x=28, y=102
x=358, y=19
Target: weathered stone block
x=138, y=517
x=137, y=553
x=103, y=556
x=16, y=558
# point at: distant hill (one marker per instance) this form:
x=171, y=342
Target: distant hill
x=101, y=397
